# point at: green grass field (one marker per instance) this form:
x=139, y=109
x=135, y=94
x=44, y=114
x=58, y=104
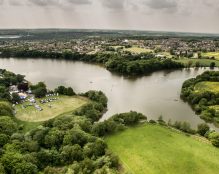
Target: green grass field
x=207, y=86
x=211, y=54
x=152, y=149
x=64, y=104
x=138, y=50
x=203, y=62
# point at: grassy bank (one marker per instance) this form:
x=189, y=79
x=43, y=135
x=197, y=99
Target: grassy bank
x=64, y=104
x=152, y=149
x=202, y=62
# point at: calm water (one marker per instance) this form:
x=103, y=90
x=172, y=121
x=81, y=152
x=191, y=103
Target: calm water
x=154, y=95
x=9, y=36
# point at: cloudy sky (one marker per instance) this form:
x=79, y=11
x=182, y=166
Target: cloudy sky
x=159, y=15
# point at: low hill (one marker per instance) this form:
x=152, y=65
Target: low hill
x=153, y=149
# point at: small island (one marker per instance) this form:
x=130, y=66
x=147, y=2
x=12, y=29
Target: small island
x=202, y=93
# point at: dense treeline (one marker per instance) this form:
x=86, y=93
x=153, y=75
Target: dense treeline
x=139, y=67
x=95, y=109
x=202, y=101
x=7, y=79
x=117, y=122
x=59, y=146
x=126, y=65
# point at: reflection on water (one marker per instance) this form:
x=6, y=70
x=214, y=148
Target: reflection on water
x=154, y=95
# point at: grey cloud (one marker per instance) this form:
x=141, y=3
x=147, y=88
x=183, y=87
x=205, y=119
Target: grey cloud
x=80, y=2
x=15, y=2
x=1, y=2
x=114, y=4
x=59, y=2
x=45, y=2
x=162, y=4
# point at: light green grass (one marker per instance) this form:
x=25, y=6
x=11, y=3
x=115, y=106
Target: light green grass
x=211, y=54
x=138, y=50
x=64, y=104
x=203, y=62
x=207, y=86
x=152, y=149
x=27, y=126
x=215, y=107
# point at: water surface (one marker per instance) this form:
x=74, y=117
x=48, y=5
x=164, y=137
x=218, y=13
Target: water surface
x=154, y=95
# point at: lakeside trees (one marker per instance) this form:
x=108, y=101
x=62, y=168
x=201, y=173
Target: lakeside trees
x=59, y=145
x=125, y=65
x=202, y=101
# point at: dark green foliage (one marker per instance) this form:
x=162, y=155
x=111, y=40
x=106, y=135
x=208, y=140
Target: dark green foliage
x=3, y=139
x=161, y=121
x=212, y=65
x=94, y=110
x=7, y=125
x=6, y=109
x=138, y=67
x=65, y=91
x=39, y=90
x=152, y=121
x=214, y=138
x=2, y=170
x=203, y=129
x=97, y=96
x=15, y=98
x=117, y=122
x=70, y=153
x=90, y=111
x=183, y=126
x=4, y=93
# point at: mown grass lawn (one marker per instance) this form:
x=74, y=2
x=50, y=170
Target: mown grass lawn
x=211, y=54
x=138, y=50
x=152, y=149
x=64, y=104
x=207, y=86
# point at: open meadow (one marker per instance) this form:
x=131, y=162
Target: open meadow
x=138, y=50
x=63, y=104
x=207, y=86
x=153, y=149
x=211, y=54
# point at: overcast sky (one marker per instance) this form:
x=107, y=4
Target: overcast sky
x=159, y=15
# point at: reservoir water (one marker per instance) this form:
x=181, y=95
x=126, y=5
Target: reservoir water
x=154, y=95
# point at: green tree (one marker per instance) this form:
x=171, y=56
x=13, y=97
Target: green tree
x=15, y=98
x=70, y=91
x=6, y=109
x=3, y=139
x=7, y=125
x=71, y=153
x=214, y=138
x=212, y=65
x=203, y=128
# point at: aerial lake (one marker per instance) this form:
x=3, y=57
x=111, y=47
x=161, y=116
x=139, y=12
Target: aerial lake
x=154, y=95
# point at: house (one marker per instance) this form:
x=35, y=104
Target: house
x=13, y=89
